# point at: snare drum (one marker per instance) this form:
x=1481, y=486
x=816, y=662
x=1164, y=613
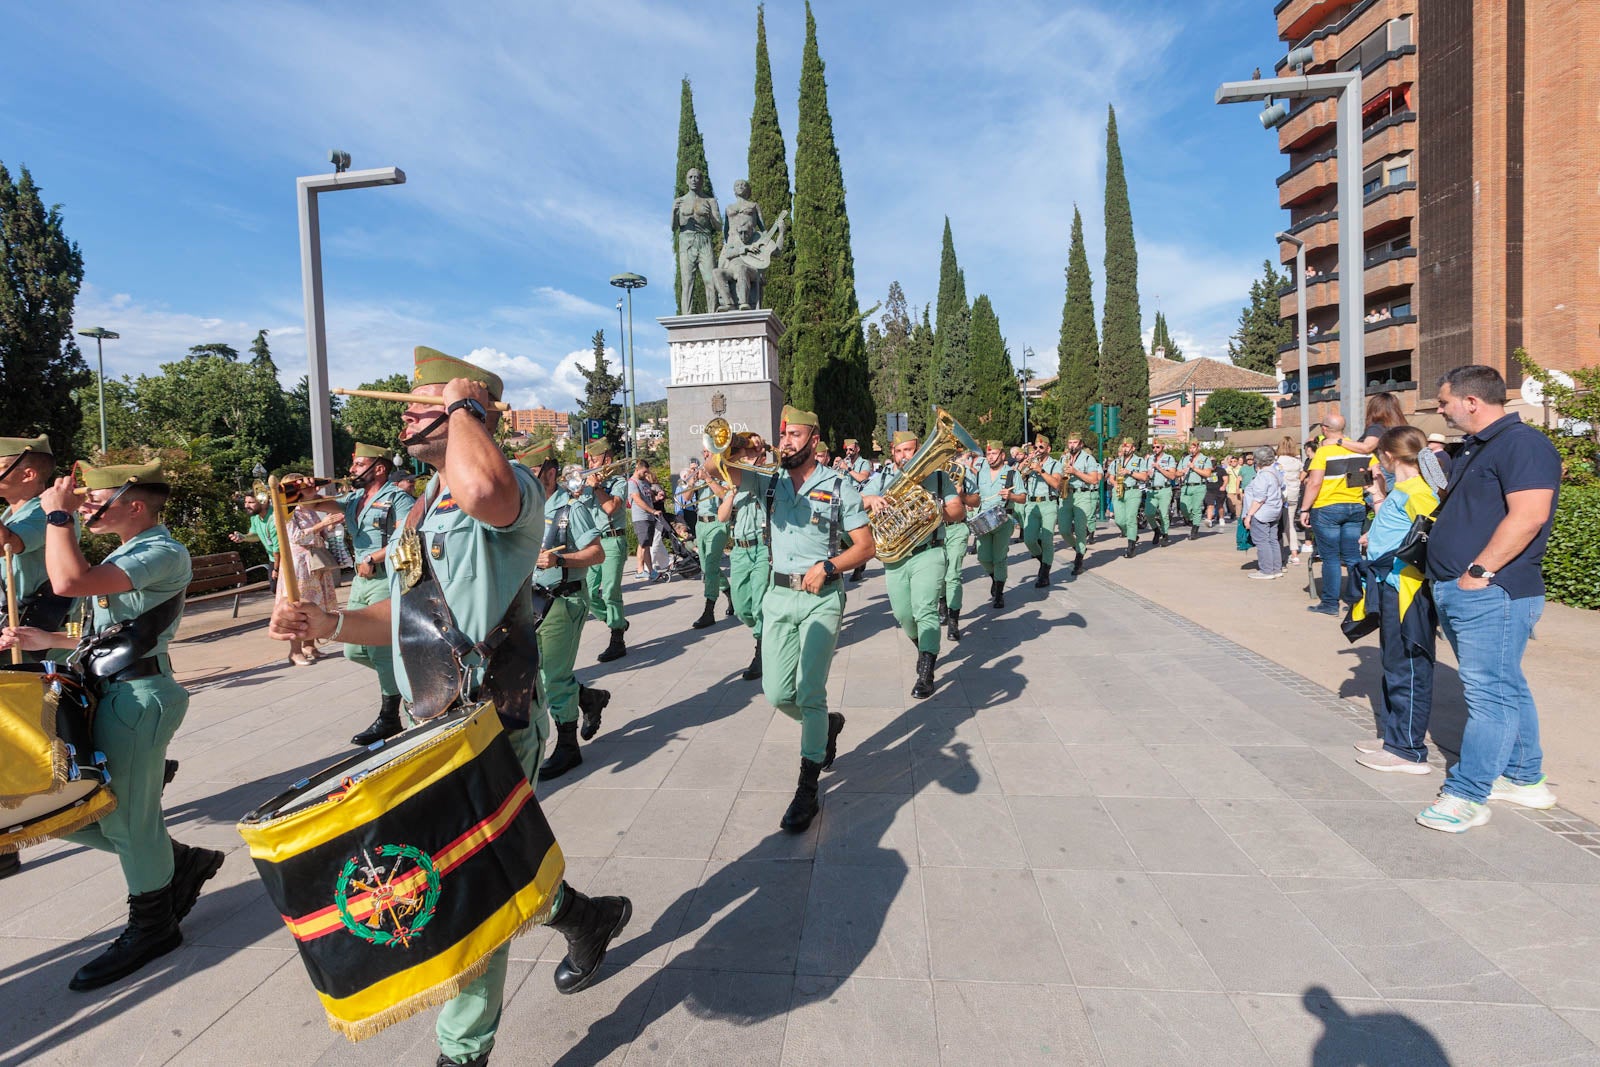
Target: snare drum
x=985, y=522
x=52, y=781
x=400, y=869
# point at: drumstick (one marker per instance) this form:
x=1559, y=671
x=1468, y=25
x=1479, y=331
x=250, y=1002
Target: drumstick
x=280, y=515
x=11, y=606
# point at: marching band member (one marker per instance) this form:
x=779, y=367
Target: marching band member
x=1162, y=475
x=1195, y=471
x=1041, y=486
x=807, y=507
x=142, y=583
x=711, y=541
x=609, y=499
x=956, y=534
x=1078, y=515
x=995, y=486
x=749, y=562
x=1127, y=478
x=859, y=468
x=481, y=526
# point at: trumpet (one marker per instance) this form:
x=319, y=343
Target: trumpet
x=576, y=479
x=720, y=440
x=410, y=398
x=263, y=491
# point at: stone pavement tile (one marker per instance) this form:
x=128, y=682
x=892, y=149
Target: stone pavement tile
x=867, y=829
x=959, y=768
x=989, y=926
x=1236, y=725
x=1387, y=834
x=866, y=767
x=1528, y=852
x=1254, y=938
x=1124, y=771
x=744, y=915
x=1213, y=770
x=70, y=897
x=747, y=723
x=1169, y=726
x=776, y=766
x=1147, y=1028
x=751, y=831
x=1417, y=789
x=867, y=1020
x=680, y=823
x=710, y=764
x=1015, y=724
x=612, y=764
x=970, y=831
x=990, y=1023
x=1306, y=774
x=1312, y=723
x=1074, y=833
x=1400, y=948
x=1176, y=835
x=1582, y=901
x=932, y=729
x=1586, y=1023
x=540, y=1026
x=1116, y=930
x=1282, y=838
x=708, y=1017
x=1548, y=950
x=1037, y=768
x=1080, y=725
x=865, y=921
x=592, y=820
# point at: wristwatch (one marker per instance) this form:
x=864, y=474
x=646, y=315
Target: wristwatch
x=59, y=518
x=829, y=569
x=1477, y=570
x=476, y=409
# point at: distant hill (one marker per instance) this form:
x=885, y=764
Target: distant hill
x=652, y=409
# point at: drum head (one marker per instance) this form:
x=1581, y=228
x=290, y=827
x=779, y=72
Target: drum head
x=74, y=806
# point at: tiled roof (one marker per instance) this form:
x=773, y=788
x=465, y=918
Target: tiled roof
x=1205, y=375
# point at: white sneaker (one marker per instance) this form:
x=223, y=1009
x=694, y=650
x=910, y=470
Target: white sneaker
x=1534, y=795
x=1383, y=760
x=1305, y=549
x=1453, y=815
x=1259, y=577
x=1276, y=574
x=1370, y=744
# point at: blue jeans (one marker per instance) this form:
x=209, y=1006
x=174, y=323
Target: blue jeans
x=1407, y=682
x=1337, y=529
x=1489, y=631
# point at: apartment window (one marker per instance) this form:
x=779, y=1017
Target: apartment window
x=1400, y=310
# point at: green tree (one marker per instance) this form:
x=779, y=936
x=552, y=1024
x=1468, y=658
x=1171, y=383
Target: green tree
x=1262, y=327
x=215, y=348
x=376, y=422
x=691, y=156
x=1161, y=342
x=1124, y=374
x=227, y=415
x=40, y=272
x=1078, y=355
x=769, y=186
x=951, y=386
x=994, y=380
x=829, y=373
x=260, y=351
x=1234, y=409
x=887, y=348
x=916, y=370
x=600, y=392
x=1577, y=410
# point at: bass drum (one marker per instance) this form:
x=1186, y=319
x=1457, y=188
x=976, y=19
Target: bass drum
x=985, y=522
x=52, y=781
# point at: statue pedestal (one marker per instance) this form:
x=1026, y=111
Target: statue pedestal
x=723, y=364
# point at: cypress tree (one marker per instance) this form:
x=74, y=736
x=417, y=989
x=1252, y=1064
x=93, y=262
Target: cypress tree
x=916, y=370
x=952, y=382
x=1161, y=342
x=1124, y=374
x=995, y=395
x=887, y=342
x=1078, y=355
x=829, y=374
x=600, y=392
x=691, y=156
x=769, y=187
x=1262, y=329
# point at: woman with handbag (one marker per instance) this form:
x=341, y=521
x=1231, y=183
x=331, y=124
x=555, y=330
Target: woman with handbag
x=315, y=567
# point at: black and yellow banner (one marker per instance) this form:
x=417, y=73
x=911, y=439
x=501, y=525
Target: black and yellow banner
x=399, y=877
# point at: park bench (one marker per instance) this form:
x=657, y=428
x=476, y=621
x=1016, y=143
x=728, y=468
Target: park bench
x=221, y=575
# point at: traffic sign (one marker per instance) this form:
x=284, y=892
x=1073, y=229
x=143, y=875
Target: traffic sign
x=594, y=428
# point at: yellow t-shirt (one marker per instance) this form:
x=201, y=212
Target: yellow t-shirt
x=1340, y=468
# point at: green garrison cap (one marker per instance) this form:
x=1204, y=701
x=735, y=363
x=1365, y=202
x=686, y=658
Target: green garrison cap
x=795, y=417
x=598, y=447
x=998, y=446
x=116, y=477
x=902, y=436
x=370, y=452
x=848, y=441
x=534, y=457
x=436, y=368
x=16, y=446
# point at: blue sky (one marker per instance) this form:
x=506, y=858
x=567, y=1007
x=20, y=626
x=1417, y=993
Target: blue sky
x=539, y=143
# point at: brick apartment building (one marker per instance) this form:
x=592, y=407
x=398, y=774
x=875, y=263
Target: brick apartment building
x=1481, y=129
x=526, y=420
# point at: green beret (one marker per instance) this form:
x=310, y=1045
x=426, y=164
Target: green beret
x=998, y=446
x=126, y=474
x=436, y=368
x=16, y=446
x=793, y=416
x=598, y=447
x=902, y=436
x=535, y=456
x=370, y=452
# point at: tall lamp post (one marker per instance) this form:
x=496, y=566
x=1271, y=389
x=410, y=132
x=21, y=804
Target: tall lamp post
x=1022, y=384
x=630, y=282
x=1300, y=331
x=1345, y=88
x=307, y=190
x=101, y=335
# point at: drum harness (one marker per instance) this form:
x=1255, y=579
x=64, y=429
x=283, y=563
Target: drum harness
x=121, y=652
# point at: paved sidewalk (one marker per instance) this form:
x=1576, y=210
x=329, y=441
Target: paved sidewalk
x=1113, y=837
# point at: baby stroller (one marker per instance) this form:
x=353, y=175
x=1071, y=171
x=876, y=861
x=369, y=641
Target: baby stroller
x=685, y=563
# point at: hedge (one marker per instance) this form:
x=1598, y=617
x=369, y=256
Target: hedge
x=1572, y=560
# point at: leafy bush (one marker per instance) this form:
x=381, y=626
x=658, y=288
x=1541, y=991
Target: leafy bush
x=201, y=511
x=1235, y=409
x=1572, y=560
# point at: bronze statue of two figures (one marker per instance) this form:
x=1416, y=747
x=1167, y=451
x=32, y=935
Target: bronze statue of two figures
x=748, y=245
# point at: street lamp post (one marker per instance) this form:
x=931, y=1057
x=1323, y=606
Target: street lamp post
x=630, y=282
x=622, y=365
x=1300, y=330
x=101, y=335
x=1345, y=88
x=1022, y=384
x=307, y=190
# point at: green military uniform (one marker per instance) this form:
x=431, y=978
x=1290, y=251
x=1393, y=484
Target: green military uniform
x=710, y=540
x=1039, y=513
x=1158, y=498
x=1078, y=515
x=916, y=580
x=370, y=523
x=570, y=527
x=750, y=562
x=1125, y=512
x=604, y=582
x=993, y=485
x=955, y=541
x=25, y=520
x=1192, y=474
x=264, y=532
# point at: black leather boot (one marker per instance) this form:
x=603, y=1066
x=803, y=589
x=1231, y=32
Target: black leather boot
x=859, y=573
x=169, y=771
x=806, y=803
x=952, y=625
x=591, y=702
x=944, y=608
x=152, y=932
x=480, y=1060
x=727, y=612
x=1132, y=545
x=924, y=687
x=1077, y=564
x=589, y=924
x=707, y=617
x=1043, y=580
x=835, y=727
x=191, y=868
x=1155, y=538
x=616, y=649
x=753, y=672
x=565, y=756
x=997, y=594
x=386, y=725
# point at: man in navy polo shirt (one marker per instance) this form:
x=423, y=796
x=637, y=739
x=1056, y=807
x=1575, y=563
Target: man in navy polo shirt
x=1484, y=556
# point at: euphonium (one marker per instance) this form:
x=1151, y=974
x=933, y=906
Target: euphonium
x=911, y=513
x=719, y=438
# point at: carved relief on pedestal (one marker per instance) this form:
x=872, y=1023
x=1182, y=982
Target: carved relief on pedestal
x=728, y=359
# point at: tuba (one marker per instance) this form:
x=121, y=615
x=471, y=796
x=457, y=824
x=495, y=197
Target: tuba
x=911, y=513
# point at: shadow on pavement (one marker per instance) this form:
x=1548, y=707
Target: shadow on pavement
x=1370, y=1039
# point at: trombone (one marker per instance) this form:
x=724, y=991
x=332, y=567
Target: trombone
x=411, y=398
x=720, y=440
x=266, y=492
x=576, y=479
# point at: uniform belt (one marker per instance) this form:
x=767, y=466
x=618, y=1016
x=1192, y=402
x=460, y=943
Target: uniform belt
x=567, y=588
x=797, y=581
x=1087, y=489
x=754, y=542
x=1038, y=499
x=610, y=533
x=923, y=548
x=148, y=667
